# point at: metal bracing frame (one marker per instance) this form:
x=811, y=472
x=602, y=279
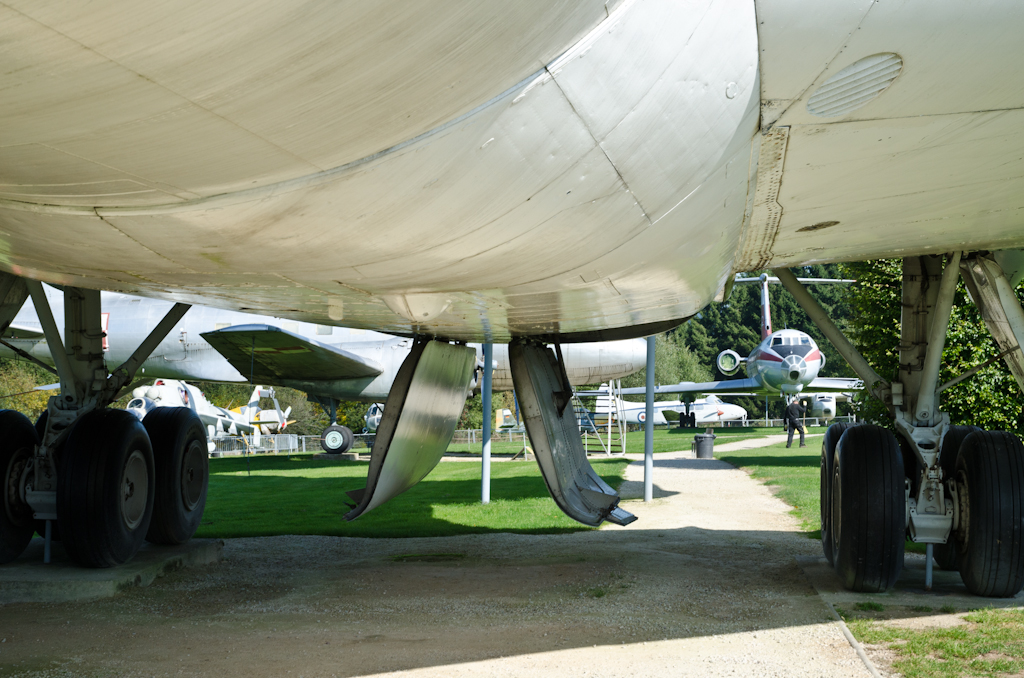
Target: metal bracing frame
x=875, y=384
x=928, y=294
x=927, y=300
x=85, y=384
x=1003, y=315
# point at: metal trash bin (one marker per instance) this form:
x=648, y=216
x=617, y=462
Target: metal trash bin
x=704, y=445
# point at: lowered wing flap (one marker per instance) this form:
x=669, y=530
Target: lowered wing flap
x=420, y=416
x=271, y=354
x=573, y=483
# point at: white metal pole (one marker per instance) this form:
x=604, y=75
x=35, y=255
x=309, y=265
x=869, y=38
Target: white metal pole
x=485, y=394
x=649, y=424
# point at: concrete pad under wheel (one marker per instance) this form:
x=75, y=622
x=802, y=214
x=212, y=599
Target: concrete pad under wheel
x=29, y=580
x=947, y=587
x=344, y=456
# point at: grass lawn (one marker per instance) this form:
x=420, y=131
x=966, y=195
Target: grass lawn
x=991, y=643
x=302, y=495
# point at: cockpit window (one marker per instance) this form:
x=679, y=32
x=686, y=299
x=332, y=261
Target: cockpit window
x=805, y=340
x=777, y=341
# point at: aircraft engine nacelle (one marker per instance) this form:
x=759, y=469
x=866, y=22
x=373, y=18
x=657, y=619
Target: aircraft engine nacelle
x=729, y=362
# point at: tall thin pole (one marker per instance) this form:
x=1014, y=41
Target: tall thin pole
x=485, y=395
x=649, y=425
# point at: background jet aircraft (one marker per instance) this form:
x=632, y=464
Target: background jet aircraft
x=704, y=410
x=786, y=364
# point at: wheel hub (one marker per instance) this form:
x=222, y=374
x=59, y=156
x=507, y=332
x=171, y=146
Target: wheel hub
x=134, y=490
x=334, y=439
x=192, y=475
x=18, y=512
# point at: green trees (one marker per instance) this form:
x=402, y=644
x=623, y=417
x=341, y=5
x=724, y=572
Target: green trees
x=990, y=399
x=673, y=362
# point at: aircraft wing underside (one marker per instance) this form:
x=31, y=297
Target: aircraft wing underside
x=268, y=353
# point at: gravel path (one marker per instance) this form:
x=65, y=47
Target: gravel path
x=703, y=584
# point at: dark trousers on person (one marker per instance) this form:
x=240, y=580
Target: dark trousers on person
x=795, y=425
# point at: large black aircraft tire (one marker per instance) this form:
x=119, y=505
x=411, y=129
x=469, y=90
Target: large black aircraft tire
x=17, y=445
x=828, y=452
x=946, y=555
x=868, y=509
x=990, y=487
x=336, y=439
x=105, y=490
x=182, y=473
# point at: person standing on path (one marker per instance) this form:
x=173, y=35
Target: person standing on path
x=794, y=413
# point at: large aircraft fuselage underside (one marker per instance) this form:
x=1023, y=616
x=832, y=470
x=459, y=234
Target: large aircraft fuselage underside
x=479, y=171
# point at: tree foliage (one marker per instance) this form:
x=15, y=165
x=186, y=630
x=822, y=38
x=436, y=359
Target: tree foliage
x=673, y=362
x=990, y=399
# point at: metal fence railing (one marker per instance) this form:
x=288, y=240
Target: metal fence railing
x=465, y=441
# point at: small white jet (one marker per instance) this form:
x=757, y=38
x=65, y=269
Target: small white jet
x=704, y=411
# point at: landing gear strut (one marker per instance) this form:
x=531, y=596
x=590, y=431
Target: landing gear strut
x=109, y=481
x=958, y=490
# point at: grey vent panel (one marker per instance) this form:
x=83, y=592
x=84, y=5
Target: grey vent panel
x=855, y=85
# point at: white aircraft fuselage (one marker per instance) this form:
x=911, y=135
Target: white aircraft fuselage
x=185, y=354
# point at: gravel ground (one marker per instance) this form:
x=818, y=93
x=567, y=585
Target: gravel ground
x=703, y=584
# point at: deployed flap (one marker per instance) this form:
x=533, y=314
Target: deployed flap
x=420, y=416
x=573, y=483
x=270, y=354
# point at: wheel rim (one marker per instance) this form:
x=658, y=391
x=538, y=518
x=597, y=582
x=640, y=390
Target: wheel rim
x=134, y=490
x=192, y=475
x=334, y=440
x=18, y=513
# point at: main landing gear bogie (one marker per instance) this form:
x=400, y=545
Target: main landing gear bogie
x=864, y=508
